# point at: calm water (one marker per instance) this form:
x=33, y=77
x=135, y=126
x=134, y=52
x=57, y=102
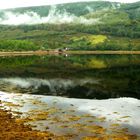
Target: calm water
x=75, y=76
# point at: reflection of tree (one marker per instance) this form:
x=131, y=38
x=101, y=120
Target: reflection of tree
x=94, y=63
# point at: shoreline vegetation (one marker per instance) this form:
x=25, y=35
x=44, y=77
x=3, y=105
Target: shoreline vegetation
x=55, y=52
x=10, y=129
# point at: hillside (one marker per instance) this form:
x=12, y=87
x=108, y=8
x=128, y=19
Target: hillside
x=79, y=26
x=133, y=10
x=78, y=8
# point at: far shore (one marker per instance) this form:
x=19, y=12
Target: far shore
x=54, y=52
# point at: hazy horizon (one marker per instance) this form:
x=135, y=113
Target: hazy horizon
x=25, y=3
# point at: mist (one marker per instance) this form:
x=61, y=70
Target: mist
x=54, y=17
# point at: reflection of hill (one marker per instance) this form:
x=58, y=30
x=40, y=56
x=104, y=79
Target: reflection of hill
x=73, y=76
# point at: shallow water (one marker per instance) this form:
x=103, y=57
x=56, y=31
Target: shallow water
x=76, y=117
x=74, y=76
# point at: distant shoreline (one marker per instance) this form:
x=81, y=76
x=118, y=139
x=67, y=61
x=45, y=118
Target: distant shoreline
x=53, y=52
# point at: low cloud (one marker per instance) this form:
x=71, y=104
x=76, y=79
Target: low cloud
x=54, y=17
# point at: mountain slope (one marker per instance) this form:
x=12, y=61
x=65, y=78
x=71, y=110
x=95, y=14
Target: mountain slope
x=86, y=26
x=107, y=12
x=132, y=9
x=78, y=9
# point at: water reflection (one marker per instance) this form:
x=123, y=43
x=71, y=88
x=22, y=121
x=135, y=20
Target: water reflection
x=45, y=86
x=78, y=76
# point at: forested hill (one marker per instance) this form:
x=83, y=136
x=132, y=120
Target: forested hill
x=94, y=25
x=78, y=8
x=132, y=9
x=82, y=8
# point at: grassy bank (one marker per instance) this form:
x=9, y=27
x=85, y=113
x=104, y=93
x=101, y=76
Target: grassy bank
x=53, y=52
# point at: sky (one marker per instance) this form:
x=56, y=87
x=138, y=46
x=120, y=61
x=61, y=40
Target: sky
x=4, y=4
